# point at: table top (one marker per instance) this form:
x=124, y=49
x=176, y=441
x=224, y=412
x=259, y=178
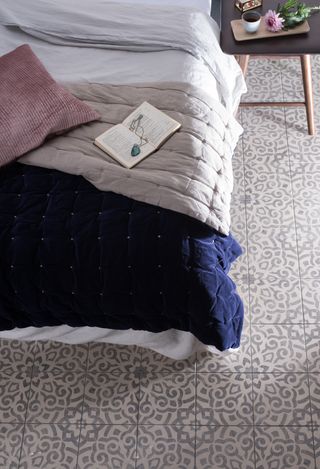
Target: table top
x=308, y=43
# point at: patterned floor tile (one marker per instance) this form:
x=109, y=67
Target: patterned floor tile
x=10, y=445
x=278, y=348
x=224, y=447
x=164, y=446
x=311, y=300
x=291, y=79
x=243, y=291
x=296, y=126
x=298, y=138
x=16, y=356
x=111, y=399
x=271, y=213
x=14, y=396
x=281, y=399
x=309, y=251
x=275, y=237
x=307, y=212
x=50, y=447
x=264, y=158
x=316, y=436
x=279, y=262
x=275, y=300
x=238, y=227
x=273, y=186
x=306, y=185
x=313, y=347
x=301, y=167
x=56, y=397
x=269, y=200
x=167, y=399
x=264, y=141
x=54, y=356
x=263, y=80
x=239, y=267
x=107, y=447
x=224, y=399
x=238, y=184
x=114, y=359
x=238, y=215
x=264, y=130
x=153, y=362
x=284, y=447
x=315, y=73
x=314, y=380
x=237, y=158
x=236, y=360
x=305, y=163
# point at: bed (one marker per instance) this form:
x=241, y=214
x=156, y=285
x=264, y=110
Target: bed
x=85, y=259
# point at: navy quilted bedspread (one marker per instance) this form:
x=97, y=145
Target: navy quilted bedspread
x=71, y=254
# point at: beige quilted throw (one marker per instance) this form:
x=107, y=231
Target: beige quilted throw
x=191, y=173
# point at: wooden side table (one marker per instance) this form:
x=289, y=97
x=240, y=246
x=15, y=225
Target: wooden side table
x=301, y=45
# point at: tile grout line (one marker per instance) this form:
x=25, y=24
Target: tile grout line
x=249, y=296
x=27, y=406
x=195, y=412
x=164, y=424
x=138, y=412
x=299, y=270
x=251, y=323
x=82, y=406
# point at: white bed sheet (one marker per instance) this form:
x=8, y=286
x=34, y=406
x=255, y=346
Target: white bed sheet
x=203, y=5
x=79, y=64
x=72, y=64
x=171, y=343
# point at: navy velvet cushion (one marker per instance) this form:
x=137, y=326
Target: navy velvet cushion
x=71, y=254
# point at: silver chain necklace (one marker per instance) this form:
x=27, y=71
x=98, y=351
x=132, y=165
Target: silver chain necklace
x=137, y=128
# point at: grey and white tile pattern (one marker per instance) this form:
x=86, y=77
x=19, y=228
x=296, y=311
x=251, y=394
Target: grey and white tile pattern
x=165, y=446
x=284, y=447
x=11, y=437
x=224, y=447
x=99, y=406
x=107, y=447
x=49, y=446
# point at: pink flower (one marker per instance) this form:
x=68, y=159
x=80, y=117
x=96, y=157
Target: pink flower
x=273, y=21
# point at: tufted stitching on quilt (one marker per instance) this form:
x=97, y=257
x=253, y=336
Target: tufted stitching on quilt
x=180, y=294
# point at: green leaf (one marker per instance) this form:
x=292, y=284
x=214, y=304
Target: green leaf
x=294, y=12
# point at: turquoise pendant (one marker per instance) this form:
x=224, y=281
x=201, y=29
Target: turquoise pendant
x=135, y=150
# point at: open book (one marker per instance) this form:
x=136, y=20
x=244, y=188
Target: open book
x=139, y=135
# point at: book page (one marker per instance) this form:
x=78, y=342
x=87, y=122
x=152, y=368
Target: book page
x=118, y=142
x=155, y=125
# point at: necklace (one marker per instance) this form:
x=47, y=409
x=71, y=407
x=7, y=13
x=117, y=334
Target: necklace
x=137, y=128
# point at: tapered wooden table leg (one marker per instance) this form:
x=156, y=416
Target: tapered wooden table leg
x=243, y=62
x=308, y=95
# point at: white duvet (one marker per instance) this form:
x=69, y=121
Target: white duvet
x=40, y=24
x=71, y=63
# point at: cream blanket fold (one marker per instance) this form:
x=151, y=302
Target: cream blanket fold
x=191, y=173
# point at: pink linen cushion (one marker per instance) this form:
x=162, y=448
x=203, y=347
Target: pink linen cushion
x=33, y=105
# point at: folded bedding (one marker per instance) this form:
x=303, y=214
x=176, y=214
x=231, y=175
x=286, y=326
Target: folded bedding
x=80, y=255
x=191, y=173
x=86, y=242
x=119, y=26
x=72, y=254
